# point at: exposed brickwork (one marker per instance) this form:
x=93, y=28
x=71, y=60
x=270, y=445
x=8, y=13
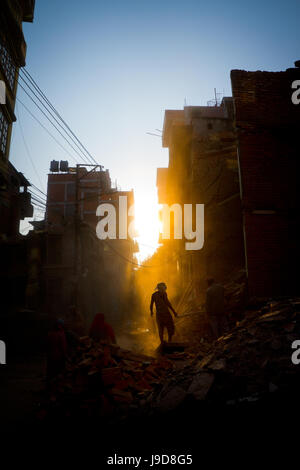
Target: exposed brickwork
x=268, y=127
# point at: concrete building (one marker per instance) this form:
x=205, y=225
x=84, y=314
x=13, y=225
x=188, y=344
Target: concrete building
x=15, y=201
x=203, y=170
x=14, y=205
x=82, y=272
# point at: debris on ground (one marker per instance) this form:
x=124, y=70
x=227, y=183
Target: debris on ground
x=248, y=363
x=103, y=379
x=252, y=361
x=193, y=324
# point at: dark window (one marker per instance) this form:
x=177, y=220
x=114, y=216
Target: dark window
x=3, y=132
x=209, y=126
x=8, y=66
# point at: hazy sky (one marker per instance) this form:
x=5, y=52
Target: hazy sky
x=112, y=67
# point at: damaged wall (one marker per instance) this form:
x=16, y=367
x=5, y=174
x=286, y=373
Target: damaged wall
x=203, y=170
x=84, y=274
x=268, y=125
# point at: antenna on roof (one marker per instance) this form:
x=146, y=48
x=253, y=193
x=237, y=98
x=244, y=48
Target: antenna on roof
x=217, y=99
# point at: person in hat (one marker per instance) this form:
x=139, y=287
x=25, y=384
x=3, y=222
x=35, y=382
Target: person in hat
x=163, y=306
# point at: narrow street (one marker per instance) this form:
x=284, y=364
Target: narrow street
x=126, y=381
x=245, y=376
x=149, y=232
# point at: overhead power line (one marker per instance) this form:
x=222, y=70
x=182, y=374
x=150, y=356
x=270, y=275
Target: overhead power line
x=37, y=196
x=47, y=117
x=42, y=102
x=38, y=89
x=38, y=190
x=27, y=149
x=124, y=257
x=35, y=199
x=48, y=132
x=49, y=107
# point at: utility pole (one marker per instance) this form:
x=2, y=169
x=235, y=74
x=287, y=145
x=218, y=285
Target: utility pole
x=77, y=222
x=77, y=229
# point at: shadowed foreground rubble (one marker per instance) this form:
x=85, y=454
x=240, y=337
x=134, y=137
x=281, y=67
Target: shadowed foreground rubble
x=250, y=365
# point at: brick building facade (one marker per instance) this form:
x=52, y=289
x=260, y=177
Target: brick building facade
x=81, y=271
x=268, y=128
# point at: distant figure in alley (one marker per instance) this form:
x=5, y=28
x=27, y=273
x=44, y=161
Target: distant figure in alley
x=215, y=307
x=100, y=330
x=163, y=306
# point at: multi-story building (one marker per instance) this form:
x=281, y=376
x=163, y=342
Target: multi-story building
x=268, y=129
x=81, y=270
x=241, y=161
x=14, y=205
x=15, y=201
x=203, y=170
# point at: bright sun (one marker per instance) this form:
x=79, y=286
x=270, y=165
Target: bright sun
x=147, y=224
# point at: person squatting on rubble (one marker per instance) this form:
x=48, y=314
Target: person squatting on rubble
x=100, y=330
x=56, y=349
x=163, y=317
x=215, y=308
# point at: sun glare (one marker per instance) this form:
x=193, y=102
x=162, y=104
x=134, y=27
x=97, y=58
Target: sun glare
x=147, y=224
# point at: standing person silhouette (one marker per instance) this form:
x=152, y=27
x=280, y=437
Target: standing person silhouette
x=215, y=308
x=163, y=316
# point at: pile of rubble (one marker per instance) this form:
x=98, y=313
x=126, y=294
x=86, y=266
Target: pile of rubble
x=102, y=380
x=193, y=324
x=235, y=294
x=253, y=360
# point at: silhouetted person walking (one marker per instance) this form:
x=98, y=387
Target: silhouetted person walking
x=163, y=316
